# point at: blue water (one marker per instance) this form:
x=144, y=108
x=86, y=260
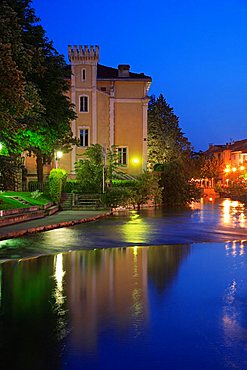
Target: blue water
x=178, y=306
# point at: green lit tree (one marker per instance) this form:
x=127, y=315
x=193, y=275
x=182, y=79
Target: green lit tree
x=19, y=99
x=42, y=124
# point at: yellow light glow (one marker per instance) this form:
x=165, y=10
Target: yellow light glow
x=59, y=154
x=59, y=273
x=227, y=169
x=135, y=251
x=210, y=199
x=135, y=160
x=234, y=169
x=242, y=168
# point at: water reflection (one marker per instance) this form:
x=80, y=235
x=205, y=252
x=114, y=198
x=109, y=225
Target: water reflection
x=234, y=307
x=236, y=247
x=135, y=230
x=234, y=214
x=221, y=220
x=65, y=303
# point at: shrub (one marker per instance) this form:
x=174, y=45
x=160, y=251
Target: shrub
x=123, y=183
x=57, y=181
x=116, y=197
x=71, y=186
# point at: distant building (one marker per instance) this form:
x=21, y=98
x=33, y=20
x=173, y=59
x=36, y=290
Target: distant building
x=231, y=156
x=111, y=106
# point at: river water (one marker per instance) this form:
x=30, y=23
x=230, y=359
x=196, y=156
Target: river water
x=148, y=290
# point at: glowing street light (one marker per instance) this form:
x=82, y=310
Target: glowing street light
x=242, y=168
x=234, y=169
x=58, y=156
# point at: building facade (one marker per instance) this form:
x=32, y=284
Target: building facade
x=111, y=106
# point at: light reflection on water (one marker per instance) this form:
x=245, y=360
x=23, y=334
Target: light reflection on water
x=221, y=220
x=234, y=214
x=176, y=307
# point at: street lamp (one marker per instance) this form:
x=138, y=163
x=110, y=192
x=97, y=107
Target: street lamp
x=58, y=156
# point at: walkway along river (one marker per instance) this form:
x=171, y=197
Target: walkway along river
x=149, y=290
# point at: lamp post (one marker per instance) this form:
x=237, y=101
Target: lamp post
x=103, y=170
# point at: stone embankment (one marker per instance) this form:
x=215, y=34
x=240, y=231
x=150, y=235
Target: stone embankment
x=54, y=221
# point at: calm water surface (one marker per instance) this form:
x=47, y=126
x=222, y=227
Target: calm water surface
x=143, y=304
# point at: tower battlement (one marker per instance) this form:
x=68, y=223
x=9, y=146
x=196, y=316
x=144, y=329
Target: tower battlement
x=83, y=53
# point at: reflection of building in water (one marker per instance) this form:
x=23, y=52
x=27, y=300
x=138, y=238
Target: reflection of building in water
x=111, y=286
x=103, y=285
x=164, y=262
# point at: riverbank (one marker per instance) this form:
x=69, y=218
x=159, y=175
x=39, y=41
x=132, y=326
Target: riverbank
x=58, y=220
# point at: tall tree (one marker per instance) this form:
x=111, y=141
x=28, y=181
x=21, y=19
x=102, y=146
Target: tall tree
x=166, y=141
x=19, y=99
x=169, y=149
x=46, y=74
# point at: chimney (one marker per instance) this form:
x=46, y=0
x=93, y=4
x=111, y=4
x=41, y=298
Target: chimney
x=123, y=70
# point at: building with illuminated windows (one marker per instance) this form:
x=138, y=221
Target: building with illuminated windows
x=232, y=159
x=111, y=106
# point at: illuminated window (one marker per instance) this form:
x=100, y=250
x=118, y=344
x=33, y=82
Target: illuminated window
x=84, y=134
x=83, y=74
x=122, y=155
x=83, y=103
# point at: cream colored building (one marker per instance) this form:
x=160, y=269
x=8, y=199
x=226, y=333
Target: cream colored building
x=111, y=106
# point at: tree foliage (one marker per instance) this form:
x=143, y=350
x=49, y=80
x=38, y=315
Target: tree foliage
x=166, y=141
x=35, y=112
x=10, y=168
x=89, y=171
x=170, y=152
x=145, y=188
x=178, y=191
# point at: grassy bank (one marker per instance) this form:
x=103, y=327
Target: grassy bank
x=7, y=201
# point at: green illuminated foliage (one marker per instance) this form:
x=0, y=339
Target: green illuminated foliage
x=57, y=180
x=35, y=112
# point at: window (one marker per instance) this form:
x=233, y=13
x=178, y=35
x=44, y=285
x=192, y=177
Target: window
x=122, y=155
x=84, y=137
x=83, y=103
x=83, y=74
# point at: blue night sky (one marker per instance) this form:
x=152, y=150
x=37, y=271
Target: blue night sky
x=194, y=50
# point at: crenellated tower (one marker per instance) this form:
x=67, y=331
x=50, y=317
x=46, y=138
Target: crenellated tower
x=83, y=54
